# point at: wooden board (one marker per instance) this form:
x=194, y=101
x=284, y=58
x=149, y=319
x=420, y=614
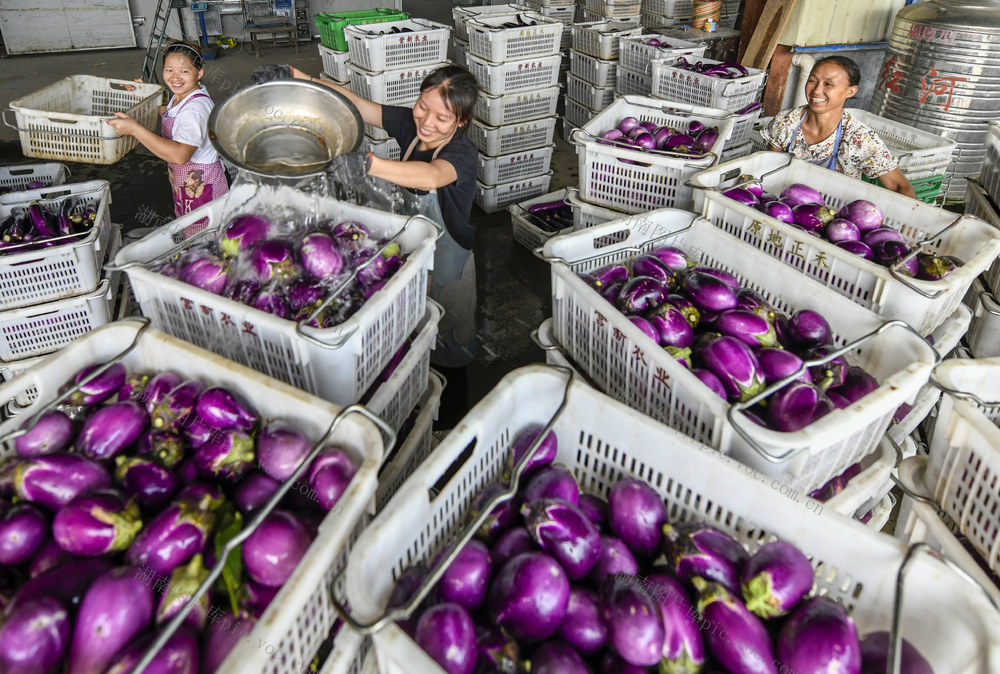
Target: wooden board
x=767, y=32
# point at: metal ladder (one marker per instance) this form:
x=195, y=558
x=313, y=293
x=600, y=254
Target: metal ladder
x=157, y=35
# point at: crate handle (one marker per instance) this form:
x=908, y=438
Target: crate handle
x=627, y=227
x=963, y=395
x=731, y=413
x=896, y=645
x=177, y=248
x=141, y=322
x=580, y=131
x=435, y=573
x=259, y=516
x=905, y=280
x=986, y=298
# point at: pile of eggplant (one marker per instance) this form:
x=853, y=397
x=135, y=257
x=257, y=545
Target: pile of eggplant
x=732, y=339
x=41, y=225
x=563, y=582
x=33, y=185
x=551, y=216
x=115, y=507
x=694, y=141
x=289, y=272
x=518, y=22
x=726, y=70
x=858, y=227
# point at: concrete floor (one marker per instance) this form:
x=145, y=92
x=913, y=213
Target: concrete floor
x=514, y=287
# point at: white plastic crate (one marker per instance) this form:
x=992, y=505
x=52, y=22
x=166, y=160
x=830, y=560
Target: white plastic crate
x=731, y=153
x=374, y=48
x=628, y=83
x=301, y=615
x=489, y=40
x=461, y=15
x=412, y=450
x=526, y=232
x=387, y=149
x=514, y=108
x=567, y=129
x=914, y=148
x=515, y=166
x=657, y=22
x=635, y=54
x=394, y=399
x=984, y=331
x=679, y=9
x=742, y=128
x=352, y=354
x=582, y=91
x=563, y=14
x=335, y=64
x=650, y=179
x=631, y=367
x=24, y=398
x=578, y=114
x=376, y=133
x=461, y=49
x=17, y=177
x=759, y=144
x=62, y=271
x=598, y=72
x=551, y=4
x=67, y=120
x=977, y=203
x=515, y=76
x=586, y=16
x=603, y=442
x=588, y=215
x=493, y=198
x=496, y=141
x=990, y=174
x=614, y=9
x=600, y=38
x=390, y=87
x=921, y=522
x=869, y=284
x=674, y=84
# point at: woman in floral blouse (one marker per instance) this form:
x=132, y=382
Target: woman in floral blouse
x=821, y=132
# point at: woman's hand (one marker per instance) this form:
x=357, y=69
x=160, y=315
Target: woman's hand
x=124, y=125
x=896, y=181
x=299, y=75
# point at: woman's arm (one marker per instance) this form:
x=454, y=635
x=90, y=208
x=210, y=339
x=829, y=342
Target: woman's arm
x=895, y=180
x=416, y=175
x=168, y=150
x=370, y=111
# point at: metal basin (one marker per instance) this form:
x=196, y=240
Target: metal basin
x=285, y=128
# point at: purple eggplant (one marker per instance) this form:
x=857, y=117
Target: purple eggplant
x=711, y=381
x=544, y=455
x=750, y=328
x=793, y=407
x=776, y=579
x=696, y=549
x=184, y=582
x=798, y=193
x=722, y=275
x=253, y=491
x=857, y=248
x=117, y=607
x=49, y=557
x=208, y=273
x=242, y=232
x=557, y=657
x=164, y=447
x=174, y=409
x=329, y=476
x=646, y=327
x=221, y=408
x=134, y=387
x=684, y=304
x=842, y=230
x=779, y=210
x=635, y=626
x=857, y=384
x=320, y=256
x=636, y=514
x=671, y=326
x=200, y=496
x=612, y=664
x=66, y=583
x=158, y=388
x=875, y=656
x=615, y=558
x=735, y=636
x=511, y=544
x=891, y=253
x=405, y=587
x=583, y=626
x=109, y=430
x=808, y=329
x=497, y=652
x=226, y=456
x=776, y=364
x=881, y=234
x=673, y=259
x=100, y=388
x=97, y=523
x=272, y=260
x=864, y=214
x=552, y=482
x=303, y=293
x=447, y=634
x=748, y=299
x=683, y=648
x=641, y=293
x=821, y=212
x=708, y=292
x=832, y=373
x=608, y=276
x=742, y=195
x=35, y=637
x=819, y=636
x=179, y=655
x=378, y=268
x=804, y=216
x=229, y=631
x=271, y=300
x=53, y=432
x=565, y=532
x=839, y=402
x=935, y=267
x=53, y=480
x=280, y=449
x=258, y=598
x=272, y=552
x=23, y=532
x=596, y=509
x=735, y=365
x=612, y=292
x=196, y=431
x=501, y=518
x=351, y=235
x=172, y=538
x=652, y=266
x=529, y=596
x=466, y=579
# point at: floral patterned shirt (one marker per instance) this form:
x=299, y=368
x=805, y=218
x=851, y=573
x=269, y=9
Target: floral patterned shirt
x=861, y=149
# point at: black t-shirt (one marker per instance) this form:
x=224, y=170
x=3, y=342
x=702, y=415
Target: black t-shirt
x=456, y=198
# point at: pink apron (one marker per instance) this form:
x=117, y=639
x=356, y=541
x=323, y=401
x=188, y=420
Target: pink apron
x=193, y=184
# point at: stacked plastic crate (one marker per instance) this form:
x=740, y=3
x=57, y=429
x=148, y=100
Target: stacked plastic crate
x=981, y=199
x=678, y=13
x=515, y=58
x=388, y=61
x=635, y=53
x=50, y=296
x=563, y=11
x=460, y=15
x=333, y=49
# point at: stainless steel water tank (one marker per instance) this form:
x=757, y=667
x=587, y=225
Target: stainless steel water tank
x=941, y=73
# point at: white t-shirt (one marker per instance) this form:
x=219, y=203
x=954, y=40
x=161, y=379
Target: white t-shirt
x=191, y=125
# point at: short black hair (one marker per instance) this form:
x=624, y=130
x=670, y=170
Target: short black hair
x=849, y=66
x=458, y=88
x=189, y=49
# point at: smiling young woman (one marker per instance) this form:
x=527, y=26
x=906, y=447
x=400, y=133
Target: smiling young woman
x=822, y=133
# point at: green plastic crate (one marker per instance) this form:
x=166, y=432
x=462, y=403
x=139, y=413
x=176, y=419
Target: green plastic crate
x=331, y=26
x=928, y=189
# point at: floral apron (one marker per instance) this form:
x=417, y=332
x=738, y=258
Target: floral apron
x=831, y=163
x=193, y=184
